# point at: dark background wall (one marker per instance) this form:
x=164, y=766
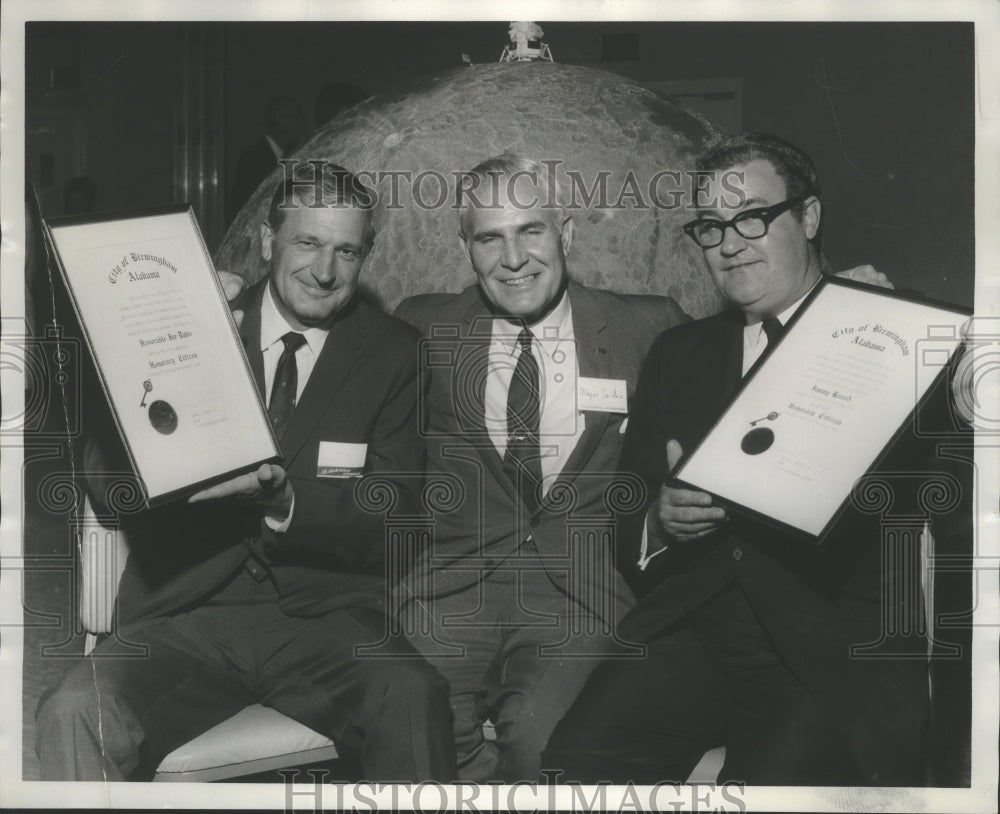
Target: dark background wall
x=886, y=110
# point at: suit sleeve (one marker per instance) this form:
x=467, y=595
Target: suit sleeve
x=670, y=314
x=643, y=455
x=412, y=312
x=341, y=522
x=404, y=311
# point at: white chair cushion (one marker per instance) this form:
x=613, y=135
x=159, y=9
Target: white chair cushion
x=707, y=770
x=255, y=733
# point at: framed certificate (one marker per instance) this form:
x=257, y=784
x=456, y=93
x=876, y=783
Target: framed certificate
x=165, y=346
x=821, y=407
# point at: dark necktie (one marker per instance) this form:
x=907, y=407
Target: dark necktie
x=286, y=382
x=522, y=463
x=773, y=329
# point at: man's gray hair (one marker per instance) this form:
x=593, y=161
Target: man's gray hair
x=513, y=167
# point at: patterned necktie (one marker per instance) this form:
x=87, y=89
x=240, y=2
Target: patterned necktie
x=773, y=329
x=522, y=463
x=286, y=382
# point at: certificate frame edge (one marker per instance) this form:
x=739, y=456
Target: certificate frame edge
x=237, y=339
x=174, y=209
x=53, y=252
x=824, y=281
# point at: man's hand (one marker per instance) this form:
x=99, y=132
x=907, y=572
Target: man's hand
x=232, y=285
x=268, y=488
x=682, y=513
x=866, y=274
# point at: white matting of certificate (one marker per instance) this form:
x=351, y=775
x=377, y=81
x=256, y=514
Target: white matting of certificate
x=818, y=412
x=167, y=351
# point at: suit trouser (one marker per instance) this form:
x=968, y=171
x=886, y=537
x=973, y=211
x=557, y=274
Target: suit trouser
x=116, y=711
x=713, y=681
x=516, y=650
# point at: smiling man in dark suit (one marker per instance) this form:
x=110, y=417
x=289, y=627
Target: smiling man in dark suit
x=749, y=633
x=259, y=589
x=530, y=375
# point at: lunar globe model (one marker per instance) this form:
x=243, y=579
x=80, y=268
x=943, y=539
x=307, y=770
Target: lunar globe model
x=621, y=153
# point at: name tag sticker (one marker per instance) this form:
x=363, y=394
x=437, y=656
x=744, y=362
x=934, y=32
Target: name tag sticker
x=340, y=460
x=602, y=395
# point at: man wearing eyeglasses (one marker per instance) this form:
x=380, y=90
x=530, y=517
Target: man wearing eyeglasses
x=748, y=634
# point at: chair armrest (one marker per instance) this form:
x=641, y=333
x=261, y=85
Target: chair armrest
x=103, y=550
x=927, y=583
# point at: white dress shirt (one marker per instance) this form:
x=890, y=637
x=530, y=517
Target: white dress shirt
x=554, y=348
x=273, y=326
x=755, y=340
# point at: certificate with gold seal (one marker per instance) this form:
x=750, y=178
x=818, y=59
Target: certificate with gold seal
x=821, y=407
x=167, y=352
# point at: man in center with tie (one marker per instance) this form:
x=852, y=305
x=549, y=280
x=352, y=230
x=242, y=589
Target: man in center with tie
x=518, y=596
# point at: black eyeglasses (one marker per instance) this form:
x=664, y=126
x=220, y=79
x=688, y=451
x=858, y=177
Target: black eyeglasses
x=751, y=224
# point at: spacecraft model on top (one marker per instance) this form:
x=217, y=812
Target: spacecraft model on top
x=526, y=44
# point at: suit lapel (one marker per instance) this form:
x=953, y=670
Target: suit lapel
x=731, y=352
x=593, y=357
x=721, y=363
x=250, y=334
x=471, y=366
x=340, y=353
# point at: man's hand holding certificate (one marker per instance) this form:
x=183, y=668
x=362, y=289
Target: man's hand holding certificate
x=269, y=488
x=682, y=514
x=232, y=287
x=819, y=410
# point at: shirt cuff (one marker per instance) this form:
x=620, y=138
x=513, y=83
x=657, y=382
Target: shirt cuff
x=277, y=525
x=644, y=556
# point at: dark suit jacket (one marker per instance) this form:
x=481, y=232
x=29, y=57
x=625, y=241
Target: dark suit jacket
x=814, y=603
x=363, y=389
x=489, y=523
x=253, y=166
